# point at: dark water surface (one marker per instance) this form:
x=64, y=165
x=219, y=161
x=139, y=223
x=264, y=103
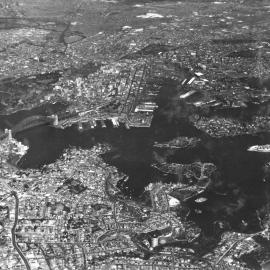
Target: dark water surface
x=237, y=195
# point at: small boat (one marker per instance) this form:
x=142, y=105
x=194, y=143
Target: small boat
x=260, y=148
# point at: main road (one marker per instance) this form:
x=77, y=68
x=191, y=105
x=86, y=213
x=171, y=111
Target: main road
x=13, y=230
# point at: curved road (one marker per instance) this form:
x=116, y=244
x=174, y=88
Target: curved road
x=14, y=229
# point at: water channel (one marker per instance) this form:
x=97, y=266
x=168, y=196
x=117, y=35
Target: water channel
x=237, y=196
